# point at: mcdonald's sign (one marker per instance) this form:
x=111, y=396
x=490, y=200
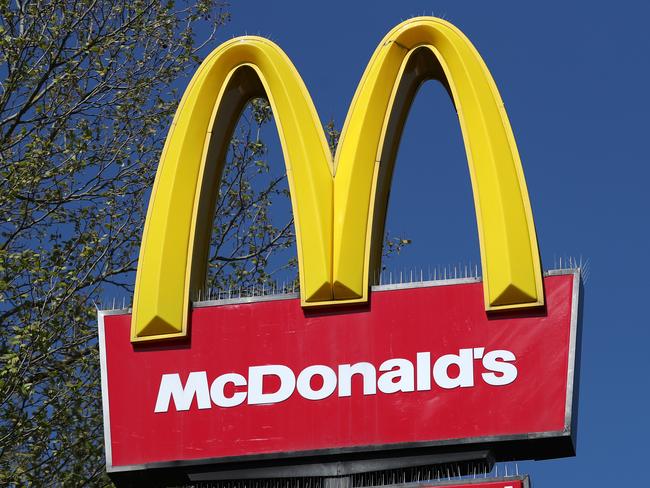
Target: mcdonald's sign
x=344, y=368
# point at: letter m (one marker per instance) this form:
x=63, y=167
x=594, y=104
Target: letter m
x=171, y=387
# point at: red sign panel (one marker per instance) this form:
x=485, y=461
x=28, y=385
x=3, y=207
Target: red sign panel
x=507, y=483
x=417, y=367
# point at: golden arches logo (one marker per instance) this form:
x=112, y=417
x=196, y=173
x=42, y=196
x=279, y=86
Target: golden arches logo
x=339, y=205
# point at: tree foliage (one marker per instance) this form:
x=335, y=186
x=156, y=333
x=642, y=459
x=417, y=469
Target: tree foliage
x=253, y=239
x=87, y=92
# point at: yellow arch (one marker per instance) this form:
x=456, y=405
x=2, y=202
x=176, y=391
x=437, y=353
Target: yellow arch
x=414, y=51
x=338, y=219
x=176, y=236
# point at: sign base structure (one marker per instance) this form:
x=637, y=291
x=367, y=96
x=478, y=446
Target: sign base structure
x=421, y=370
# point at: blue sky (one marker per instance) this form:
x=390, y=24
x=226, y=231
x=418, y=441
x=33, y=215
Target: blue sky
x=574, y=78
